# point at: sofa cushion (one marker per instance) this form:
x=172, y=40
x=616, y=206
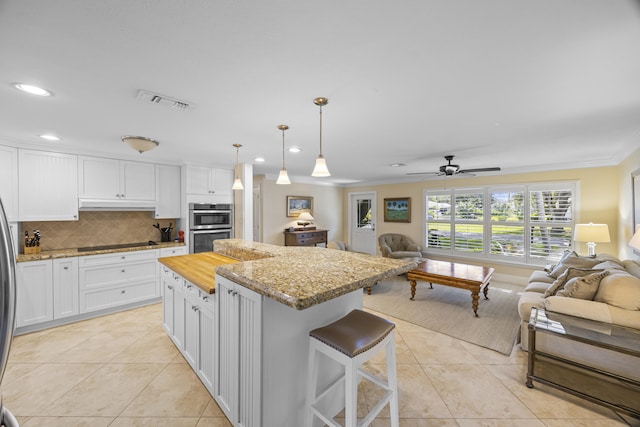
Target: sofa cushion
x=621, y=290
x=610, y=265
x=582, y=287
x=568, y=274
x=632, y=267
x=622, y=317
x=573, y=260
x=540, y=276
x=527, y=301
x=579, y=308
x=540, y=287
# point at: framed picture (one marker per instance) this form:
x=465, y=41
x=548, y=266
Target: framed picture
x=298, y=204
x=397, y=209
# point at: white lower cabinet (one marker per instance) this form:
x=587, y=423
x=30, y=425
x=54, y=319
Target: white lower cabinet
x=34, y=296
x=199, y=333
x=65, y=287
x=239, y=388
x=116, y=279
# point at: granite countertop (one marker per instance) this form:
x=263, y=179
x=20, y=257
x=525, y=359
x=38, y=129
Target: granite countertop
x=301, y=277
x=71, y=252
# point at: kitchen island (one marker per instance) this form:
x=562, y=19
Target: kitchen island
x=252, y=332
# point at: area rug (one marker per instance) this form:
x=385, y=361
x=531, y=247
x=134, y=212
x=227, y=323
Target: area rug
x=448, y=310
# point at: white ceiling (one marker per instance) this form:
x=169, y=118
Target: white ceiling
x=520, y=84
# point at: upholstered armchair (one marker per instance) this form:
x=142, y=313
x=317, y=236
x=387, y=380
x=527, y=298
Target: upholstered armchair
x=338, y=244
x=399, y=246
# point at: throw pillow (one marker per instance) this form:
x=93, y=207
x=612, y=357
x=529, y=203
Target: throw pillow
x=568, y=274
x=549, y=267
x=573, y=260
x=582, y=287
x=620, y=290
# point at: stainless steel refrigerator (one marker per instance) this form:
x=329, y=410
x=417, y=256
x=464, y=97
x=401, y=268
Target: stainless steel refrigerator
x=7, y=306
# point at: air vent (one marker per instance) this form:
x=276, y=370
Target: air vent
x=167, y=101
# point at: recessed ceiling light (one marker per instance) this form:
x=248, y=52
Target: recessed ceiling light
x=295, y=149
x=50, y=137
x=397, y=165
x=33, y=90
x=259, y=159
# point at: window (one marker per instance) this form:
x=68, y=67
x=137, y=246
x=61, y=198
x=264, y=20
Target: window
x=530, y=224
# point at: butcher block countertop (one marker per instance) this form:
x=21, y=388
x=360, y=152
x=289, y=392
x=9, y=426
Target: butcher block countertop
x=199, y=269
x=301, y=277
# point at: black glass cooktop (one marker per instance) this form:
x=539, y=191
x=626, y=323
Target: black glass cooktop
x=120, y=246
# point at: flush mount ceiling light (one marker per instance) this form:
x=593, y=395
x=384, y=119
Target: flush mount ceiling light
x=283, y=178
x=295, y=149
x=33, y=90
x=50, y=137
x=140, y=143
x=321, y=164
x=237, y=183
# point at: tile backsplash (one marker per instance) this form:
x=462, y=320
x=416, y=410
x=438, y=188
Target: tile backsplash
x=97, y=229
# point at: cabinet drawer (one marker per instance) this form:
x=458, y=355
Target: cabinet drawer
x=180, y=250
x=91, y=300
x=118, y=257
x=117, y=274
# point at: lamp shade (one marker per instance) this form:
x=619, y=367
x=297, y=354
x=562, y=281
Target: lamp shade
x=635, y=240
x=321, y=167
x=305, y=216
x=591, y=233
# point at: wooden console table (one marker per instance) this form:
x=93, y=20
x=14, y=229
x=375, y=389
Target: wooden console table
x=307, y=237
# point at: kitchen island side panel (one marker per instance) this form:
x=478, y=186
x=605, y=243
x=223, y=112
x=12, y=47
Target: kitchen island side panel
x=285, y=356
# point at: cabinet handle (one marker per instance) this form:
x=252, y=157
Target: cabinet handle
x=122, y=291
x=195, y=308
x=170, y=287
x=234, y=293
x=123, y=257
x=188, y=286
x=229, y=291
x=65, y=267
x=205, y=299
x=123, y=270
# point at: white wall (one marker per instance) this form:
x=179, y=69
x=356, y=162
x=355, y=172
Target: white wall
x=327, y=209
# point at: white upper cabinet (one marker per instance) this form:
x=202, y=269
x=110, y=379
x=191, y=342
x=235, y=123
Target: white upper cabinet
x=48, y=186
x=167, y=191
x=204, y=180
x=111, y=179
x=9, y=181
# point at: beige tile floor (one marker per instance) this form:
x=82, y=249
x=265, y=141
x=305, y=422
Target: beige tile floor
x=122, y=370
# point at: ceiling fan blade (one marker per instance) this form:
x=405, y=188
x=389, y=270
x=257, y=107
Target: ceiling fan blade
x=480, y=170
x=425, y=173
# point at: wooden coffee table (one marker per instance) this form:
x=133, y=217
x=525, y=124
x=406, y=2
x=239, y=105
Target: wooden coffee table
x=473, y=278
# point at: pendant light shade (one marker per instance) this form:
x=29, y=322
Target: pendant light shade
x=237, y=183
x=321, y=170
x=283, y=178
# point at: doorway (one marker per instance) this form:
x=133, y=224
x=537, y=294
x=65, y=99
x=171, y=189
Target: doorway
x=362, y=222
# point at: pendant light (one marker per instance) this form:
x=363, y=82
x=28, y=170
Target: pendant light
x=237, y=184
x=283, y=178
x=321, y=164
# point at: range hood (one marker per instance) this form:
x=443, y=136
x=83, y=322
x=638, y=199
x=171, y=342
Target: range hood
x=116, y=205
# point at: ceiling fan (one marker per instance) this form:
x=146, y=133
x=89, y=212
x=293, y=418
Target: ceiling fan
x=451, y=169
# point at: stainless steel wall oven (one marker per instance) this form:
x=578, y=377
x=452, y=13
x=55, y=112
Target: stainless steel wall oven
x=209, y=222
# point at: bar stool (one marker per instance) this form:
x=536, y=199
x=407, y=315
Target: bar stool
x=351, y=341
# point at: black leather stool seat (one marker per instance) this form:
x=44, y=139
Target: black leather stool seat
x=355, y=333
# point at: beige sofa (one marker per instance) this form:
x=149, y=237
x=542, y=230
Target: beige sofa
x=566, y=287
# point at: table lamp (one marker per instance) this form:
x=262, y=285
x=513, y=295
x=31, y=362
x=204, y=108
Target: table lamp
x=304, y=219
x=635, y=240
x=591, y=233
